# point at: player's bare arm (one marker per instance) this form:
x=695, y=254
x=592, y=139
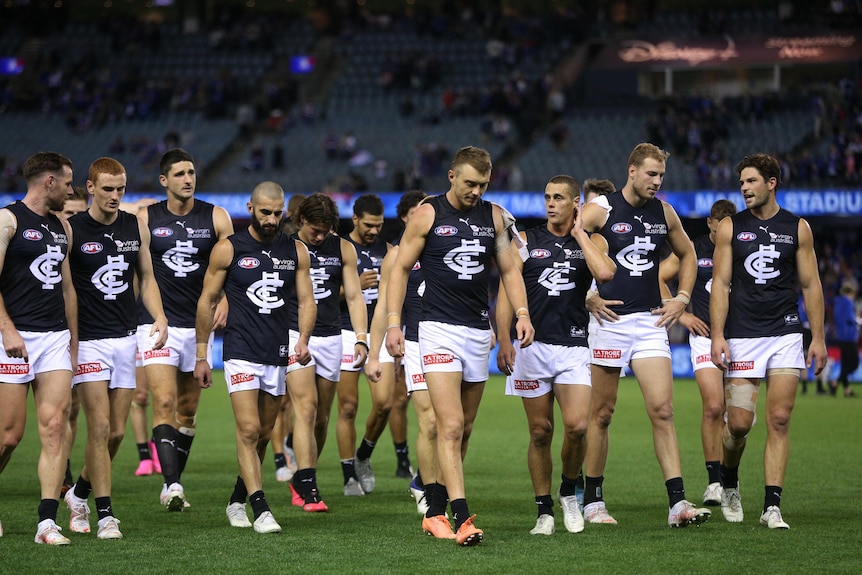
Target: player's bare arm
x=220, y=259
x=353, y=296
x=307, y=309
x=149, y=289
x=719, y=298
x=513, y=281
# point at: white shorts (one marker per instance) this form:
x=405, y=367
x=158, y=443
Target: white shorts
x=445, y=347
x=348, y=342
x=179, y=351
x=326, y=356
x=241, y=375
x=633, y=336
x=110, y=359
x=46, y=350
x=701, y=352
x=292, y=364
x=751, y=357
x=541, y=365
x=413, y=376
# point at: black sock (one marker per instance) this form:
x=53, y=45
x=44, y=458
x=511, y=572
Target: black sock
x=280, y=460
x=304, y=481
x=184, y=447
x=460, y=512
x=713, y=471
x=366, y=448
x=48, y=509
x=545, y=505
x=773, y=497
x=165, y=437
x=144, y=451
x=258, y=503
x=579, y=481
x=402, y=452
x=729, y=476
x=435, y=496
x=68, y=479
x=593, y=489
x=675, y=490
x=240, y=493
x=83, y=488
x=348, y=470
x=567, y=486
x=103, y=507
x=288, y=441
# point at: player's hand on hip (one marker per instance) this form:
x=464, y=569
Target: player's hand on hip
x=600, y=308
x=669, y=311
x=694, y=324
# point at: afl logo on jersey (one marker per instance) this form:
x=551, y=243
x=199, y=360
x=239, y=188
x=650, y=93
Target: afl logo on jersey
x=746, y=236
x=540, y=254
x=621, y=228
x=445, y=230
x=32, y=235
x=248, y=263
x=91, y=248
x=704, y=263
x=163, y=232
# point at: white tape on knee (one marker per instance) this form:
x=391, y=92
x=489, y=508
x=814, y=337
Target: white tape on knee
x=743, y=396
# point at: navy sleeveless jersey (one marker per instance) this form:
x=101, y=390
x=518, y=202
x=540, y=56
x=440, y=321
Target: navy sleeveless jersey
x=635, y=238
x=326, y=273
x=704, y=249
x=368, y=258
x=557, y=280
x=103, y=260
x=260, y=282
x=763, y=292
x=456, y=261
x=180, y=246
x=31, y=281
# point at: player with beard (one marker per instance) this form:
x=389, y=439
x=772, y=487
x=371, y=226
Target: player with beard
x=38, y=326
x=260, y=269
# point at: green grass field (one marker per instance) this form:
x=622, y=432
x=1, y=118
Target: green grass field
x=381, y=532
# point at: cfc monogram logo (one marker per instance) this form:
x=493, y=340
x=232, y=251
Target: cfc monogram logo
x=261, y=293
x=462, y=260
x=177, y=259
x=633, y=257
x=556, y=279
x=108, y=279
x=44, y=268
x=759, y=264
x=318, y=282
